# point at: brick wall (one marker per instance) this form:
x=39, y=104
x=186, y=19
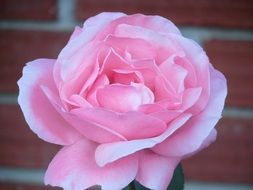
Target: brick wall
x=31, y=29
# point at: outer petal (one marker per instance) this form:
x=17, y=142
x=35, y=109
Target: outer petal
x=85, y=126
x=78, y=73
x=156, y=23
x=127, y=126
x=155, y=171
x=110, y=152
x=189, y=138
x=164, y=46
x=76, y=32
x=39, y=113
x=209, y=139
x=74, y=168
x=136, y=48
x=91, y=28
x=199, y=60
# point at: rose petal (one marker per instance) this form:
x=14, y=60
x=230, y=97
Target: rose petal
x=189, y=99
x=109, y=152
x=74, y=168
x=131, y=125
x=199, y=60
x=148, y=70
x=78, y=80
x=190, y=137
x=113, y=61
x=155, y=171
x=126, y=77
x=81, y=124
x=79, y=101
x=165, y=91
x=137, y=48
x=76, y=32
x=156, y=23
x=191, y=78
x=92, y=130
x=167, y=115
x=210, y=139
x=164, y=46
x=160, y=112
x=101, y=81
x=101, y=20
x=173, y=73
x=91, y=28
x=123, y=98
x=39, y=113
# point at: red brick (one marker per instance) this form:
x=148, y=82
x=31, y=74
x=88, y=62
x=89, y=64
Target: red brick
x=13, y=186
x=19, y=146
x=229, y=159
x=234, y=59
x=10, y=186
x=28, y=10
x=20, y=46
x=225, y=13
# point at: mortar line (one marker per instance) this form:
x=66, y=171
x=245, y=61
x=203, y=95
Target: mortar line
x=21, y=175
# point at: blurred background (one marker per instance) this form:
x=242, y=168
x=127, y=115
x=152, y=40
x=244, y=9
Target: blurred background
x=30, y=29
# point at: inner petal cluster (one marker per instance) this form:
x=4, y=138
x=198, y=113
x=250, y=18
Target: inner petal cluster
x=127, y=71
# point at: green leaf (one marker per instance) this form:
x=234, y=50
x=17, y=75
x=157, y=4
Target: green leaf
x=138, y=186
x=177, y=182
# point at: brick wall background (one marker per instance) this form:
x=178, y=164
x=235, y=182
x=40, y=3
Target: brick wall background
x=31, y=29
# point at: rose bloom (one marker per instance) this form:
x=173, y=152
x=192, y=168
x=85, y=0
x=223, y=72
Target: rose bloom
x=128, y=97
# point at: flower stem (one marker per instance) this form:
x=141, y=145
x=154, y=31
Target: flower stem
x=131, y=186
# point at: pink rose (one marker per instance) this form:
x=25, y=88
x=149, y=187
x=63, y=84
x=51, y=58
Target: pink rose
x=128, y=97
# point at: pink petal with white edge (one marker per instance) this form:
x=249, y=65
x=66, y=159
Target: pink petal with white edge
x=39, y=113
x=148, y=70
x=191, y=78
x=76, y=32
x=123, y=98
x=189, y=99
x=137, y=48
x=209, y=140
x=77, y=81
x=160, y=112
x=156, y=23
x=155, y=171
x=164, y=91
x=126, y=77
x=100, y=81
x=84, y=126
x=173, y=73
x=74, y=168
x=91, y=28
x=200, y=62
x=167, y=116
x=164, y=46
x=130, y=125
x=109, y=152
x=190, y=137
